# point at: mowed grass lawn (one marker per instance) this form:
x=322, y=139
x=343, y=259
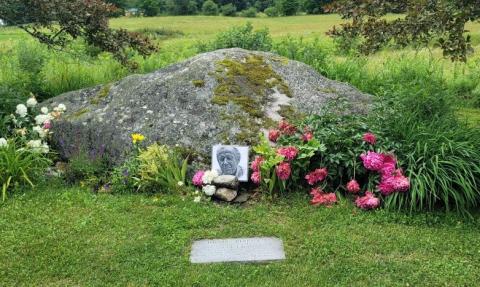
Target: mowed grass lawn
x=59, y=236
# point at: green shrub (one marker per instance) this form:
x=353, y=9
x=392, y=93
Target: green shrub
x=249, y=13
x=271, y=12
x=210, y=8
x=86, y=167
x=228, y=10
x=20, y=166
x=312, y=52
x=156, y=168
x=240, y=37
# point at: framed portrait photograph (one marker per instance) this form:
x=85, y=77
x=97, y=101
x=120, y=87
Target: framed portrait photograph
x=231, y=160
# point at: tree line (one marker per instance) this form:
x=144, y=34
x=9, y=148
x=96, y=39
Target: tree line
x=223, y=7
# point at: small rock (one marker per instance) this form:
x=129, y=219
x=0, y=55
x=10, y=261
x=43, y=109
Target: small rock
x=228, y=181
x=226, y=194
x=242, y=197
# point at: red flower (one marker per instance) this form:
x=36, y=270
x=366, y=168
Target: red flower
x=286, y=128
x=283, y=170
x=288, y=152
x=322, y=198
x=353, y=186
x=273, y=135
x=370, y=138
x=257, y=163
x=369, y=201
x=256, y=177
x=316, y=176
x=308, y=136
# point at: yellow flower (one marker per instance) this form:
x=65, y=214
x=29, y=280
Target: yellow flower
x=137, y=138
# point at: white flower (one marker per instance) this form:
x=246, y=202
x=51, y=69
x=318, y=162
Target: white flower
x=62, y=108
x=44, y=148
x=44, y=110
x=40, y=131
x=34, y=144
x=209, y=176
x=209, y=190
x=38, y=146
x=21, y=110
x=32, y=102
x=180, y=183
x=3, y=143
x=197, y=199
x=41, y=119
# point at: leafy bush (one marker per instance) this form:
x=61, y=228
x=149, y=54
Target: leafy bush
x=249, y=13
x=210, y=8
x=228, y=10
x=156, y=168
x=271, y=12
x=240, y=37
x=313, y=52
x=20, y=166
x=86, y=167
x=24, y=151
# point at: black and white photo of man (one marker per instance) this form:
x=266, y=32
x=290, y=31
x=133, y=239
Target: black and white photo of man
x=231, y=160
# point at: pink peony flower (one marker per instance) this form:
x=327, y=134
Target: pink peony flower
x=257, y=163
x=286, y=128
x=369, y=201
x=396, y=182
x=322, y=198
x=283, y=170
x=256, y=177
x=372, y=160
x=308, y=136
x=353, y=186
x=47, y=125
x=273, y=135
x=288, y=152
x=316, y=176
x=386, y=186
x=370, y=138
x=198, y=178
x=400, y=182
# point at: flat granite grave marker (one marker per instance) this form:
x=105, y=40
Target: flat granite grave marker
x=257, y=249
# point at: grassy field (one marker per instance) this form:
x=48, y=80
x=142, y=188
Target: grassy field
x=73, y=237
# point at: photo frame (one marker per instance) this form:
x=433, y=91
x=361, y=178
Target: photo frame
x=231, y=160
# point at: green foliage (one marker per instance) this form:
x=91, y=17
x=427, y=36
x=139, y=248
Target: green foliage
x=287, y=7
x=155, y=169
x=150, y=7
x=56, y=23
x=86, y=167
x=228, y=10
x=250, y=13
x=242, y=37
x=270, y=182
x=442, y=21
x=210, y=8
x=20, y=166
x=315, y=6
x=312, y=52
x=271, y=12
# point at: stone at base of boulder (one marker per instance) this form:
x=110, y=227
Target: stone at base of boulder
x=227, y=181
x=226, y=194
x=242, y=197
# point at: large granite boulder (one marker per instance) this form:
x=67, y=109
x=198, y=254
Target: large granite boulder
x=225, y=96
